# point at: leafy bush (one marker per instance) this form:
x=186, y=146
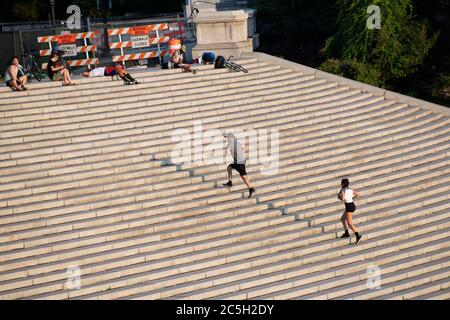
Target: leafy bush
x=442, y=87
x=353, y=69
x=396, y=50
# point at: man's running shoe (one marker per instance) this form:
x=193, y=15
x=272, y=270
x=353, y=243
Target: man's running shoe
x=358, y=237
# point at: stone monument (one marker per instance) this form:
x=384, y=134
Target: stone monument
x=222, y=32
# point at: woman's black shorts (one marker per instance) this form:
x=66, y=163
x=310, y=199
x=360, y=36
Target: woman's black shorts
x=350, y=207
x=239, y=168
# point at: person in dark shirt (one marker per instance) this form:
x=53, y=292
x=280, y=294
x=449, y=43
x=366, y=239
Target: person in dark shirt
x=57, y=71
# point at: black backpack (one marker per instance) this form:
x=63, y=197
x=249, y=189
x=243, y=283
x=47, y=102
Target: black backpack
x=220, y=63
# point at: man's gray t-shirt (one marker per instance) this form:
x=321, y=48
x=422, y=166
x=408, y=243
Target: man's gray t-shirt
x=237, y=152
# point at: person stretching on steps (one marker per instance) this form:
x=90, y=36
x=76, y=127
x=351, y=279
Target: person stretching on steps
x=117, y=70
x=347, y=195
x=238, y=153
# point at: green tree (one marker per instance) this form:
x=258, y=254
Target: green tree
x=395, y=50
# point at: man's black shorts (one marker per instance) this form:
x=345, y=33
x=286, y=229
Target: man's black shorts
x=239, y=168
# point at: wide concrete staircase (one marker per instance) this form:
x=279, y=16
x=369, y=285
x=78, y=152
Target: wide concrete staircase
x=87, y=182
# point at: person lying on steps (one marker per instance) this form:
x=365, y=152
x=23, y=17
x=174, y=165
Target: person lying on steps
x=118, y=70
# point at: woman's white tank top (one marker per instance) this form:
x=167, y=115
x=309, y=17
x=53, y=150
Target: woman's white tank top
x=348, y=195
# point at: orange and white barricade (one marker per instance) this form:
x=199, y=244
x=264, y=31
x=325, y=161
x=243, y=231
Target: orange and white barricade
x=68, y=42
x=140, y=42
x=176, y=30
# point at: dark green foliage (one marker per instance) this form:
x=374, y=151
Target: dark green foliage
x=353, y=69
x=396, y=50
x=442, y=87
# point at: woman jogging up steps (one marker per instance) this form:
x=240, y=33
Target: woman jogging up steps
x=347, y=195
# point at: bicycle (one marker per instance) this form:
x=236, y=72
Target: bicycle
x=232, y=66
x=31, y=67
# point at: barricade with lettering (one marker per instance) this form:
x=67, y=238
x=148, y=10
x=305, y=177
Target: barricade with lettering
x=143, y=42
x=68, y=43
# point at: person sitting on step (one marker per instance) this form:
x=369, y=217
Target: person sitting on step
x=177, y=60
x=57, y=70
x=15, y=76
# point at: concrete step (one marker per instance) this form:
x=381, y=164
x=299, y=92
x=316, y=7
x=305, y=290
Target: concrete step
x=88, y=181
x=77, y=148
x=89, y=156
x=375, y=181
x=101, y=119
x=125, y=230
x=64, y=177
x=154, y=75
x=425, y=117
x=92, y=102
x=305, y=159
x=395, y=281
x=291, y=121
x=112, y=87
x=156, y=259
x=326, y=206
x=189, y=287
x=443, y=294
x=115, y=112
x=206, y=284
x=435, y=288
x=43, y=166
x=71, y=249
x=372, y=215
x=358, y=281
x=43, y=117
x=48, y=87
x=28, y=168
x=319, y=282
x=427, y=209
x=186, y=259
x=64, y=180
x=326, y=266
x=57, y=187
x=133, y=215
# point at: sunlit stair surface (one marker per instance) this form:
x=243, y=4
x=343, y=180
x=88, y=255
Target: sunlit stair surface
x=92, y=207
